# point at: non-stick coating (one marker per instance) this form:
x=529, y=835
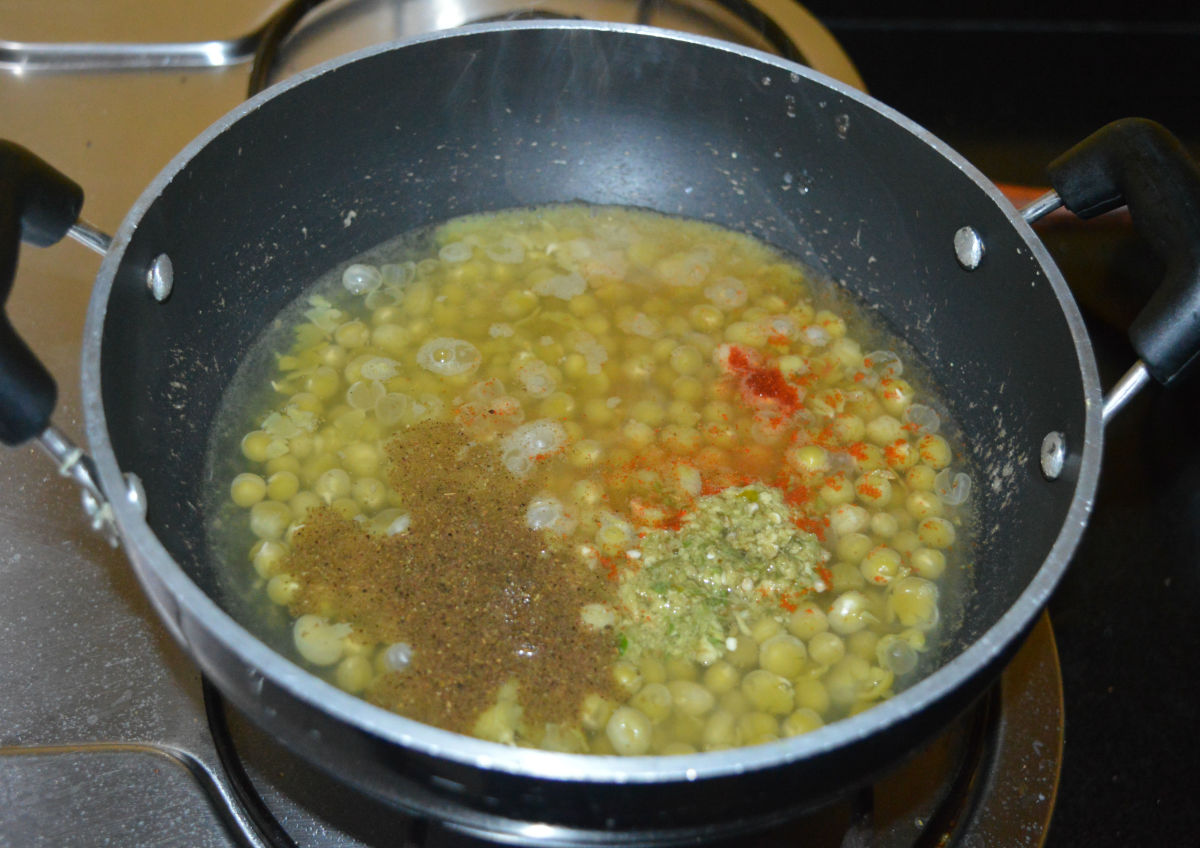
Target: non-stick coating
x=306, y=178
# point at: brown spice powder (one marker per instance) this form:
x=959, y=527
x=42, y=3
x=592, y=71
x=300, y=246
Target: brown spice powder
x=481, y=598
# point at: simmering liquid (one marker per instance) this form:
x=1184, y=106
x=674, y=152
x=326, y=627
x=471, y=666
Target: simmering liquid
x=596, y=480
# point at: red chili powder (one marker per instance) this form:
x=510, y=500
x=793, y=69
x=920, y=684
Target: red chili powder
x=763, y=381
x=896, y=452
x=858, y=450
x=816, y=526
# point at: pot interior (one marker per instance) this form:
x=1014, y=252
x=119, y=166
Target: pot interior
x=298, y=182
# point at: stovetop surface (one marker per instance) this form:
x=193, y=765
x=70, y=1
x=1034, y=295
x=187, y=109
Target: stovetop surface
x=1008, y=88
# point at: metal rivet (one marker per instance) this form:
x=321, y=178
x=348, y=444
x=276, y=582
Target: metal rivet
x=135, y=493
x=1054, y=454
x=160, y=279
x=968, y=247
x=101, y=515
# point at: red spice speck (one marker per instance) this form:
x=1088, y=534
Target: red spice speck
x=762, y=381
x=674, y=522
x=816, y=526
x=890, y=390
x=611, y=570
x=825, y=437
x=797, y=495
x=894, y=453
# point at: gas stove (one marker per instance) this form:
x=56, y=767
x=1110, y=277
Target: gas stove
x=110, y=736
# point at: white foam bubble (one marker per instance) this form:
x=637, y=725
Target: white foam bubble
x=448, y=357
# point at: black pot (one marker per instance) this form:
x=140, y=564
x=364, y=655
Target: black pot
x=522, y=114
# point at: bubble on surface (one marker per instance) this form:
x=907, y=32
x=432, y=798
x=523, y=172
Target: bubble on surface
x=952, y=488
x=896, y=655
x=531, y=442
x=543, y=512
x=727, y=293
x=884, y=363
x=922, y=418
x=360, y=279
x=783, y=326
x=816, y=336
x=379, y=368
x=398, y=656
x=564, y=286
x=398, y=273
x=365, y=394
x=449, y=357
x=536, y=378
x=507, y=251
x=640, y=324
x=456, y=251
x=392, y=408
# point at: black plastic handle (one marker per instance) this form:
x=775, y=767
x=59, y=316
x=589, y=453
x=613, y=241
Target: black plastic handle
x=37, y=205
x=1137, y=163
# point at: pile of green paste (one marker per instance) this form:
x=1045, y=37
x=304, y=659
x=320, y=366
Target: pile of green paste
x=736, y=556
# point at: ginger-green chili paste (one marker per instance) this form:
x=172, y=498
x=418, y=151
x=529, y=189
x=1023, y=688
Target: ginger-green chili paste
x=738, y=556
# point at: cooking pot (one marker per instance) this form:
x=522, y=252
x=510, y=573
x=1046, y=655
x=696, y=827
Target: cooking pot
x=313, y=172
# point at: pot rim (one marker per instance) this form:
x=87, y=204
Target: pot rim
x=609, y=769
